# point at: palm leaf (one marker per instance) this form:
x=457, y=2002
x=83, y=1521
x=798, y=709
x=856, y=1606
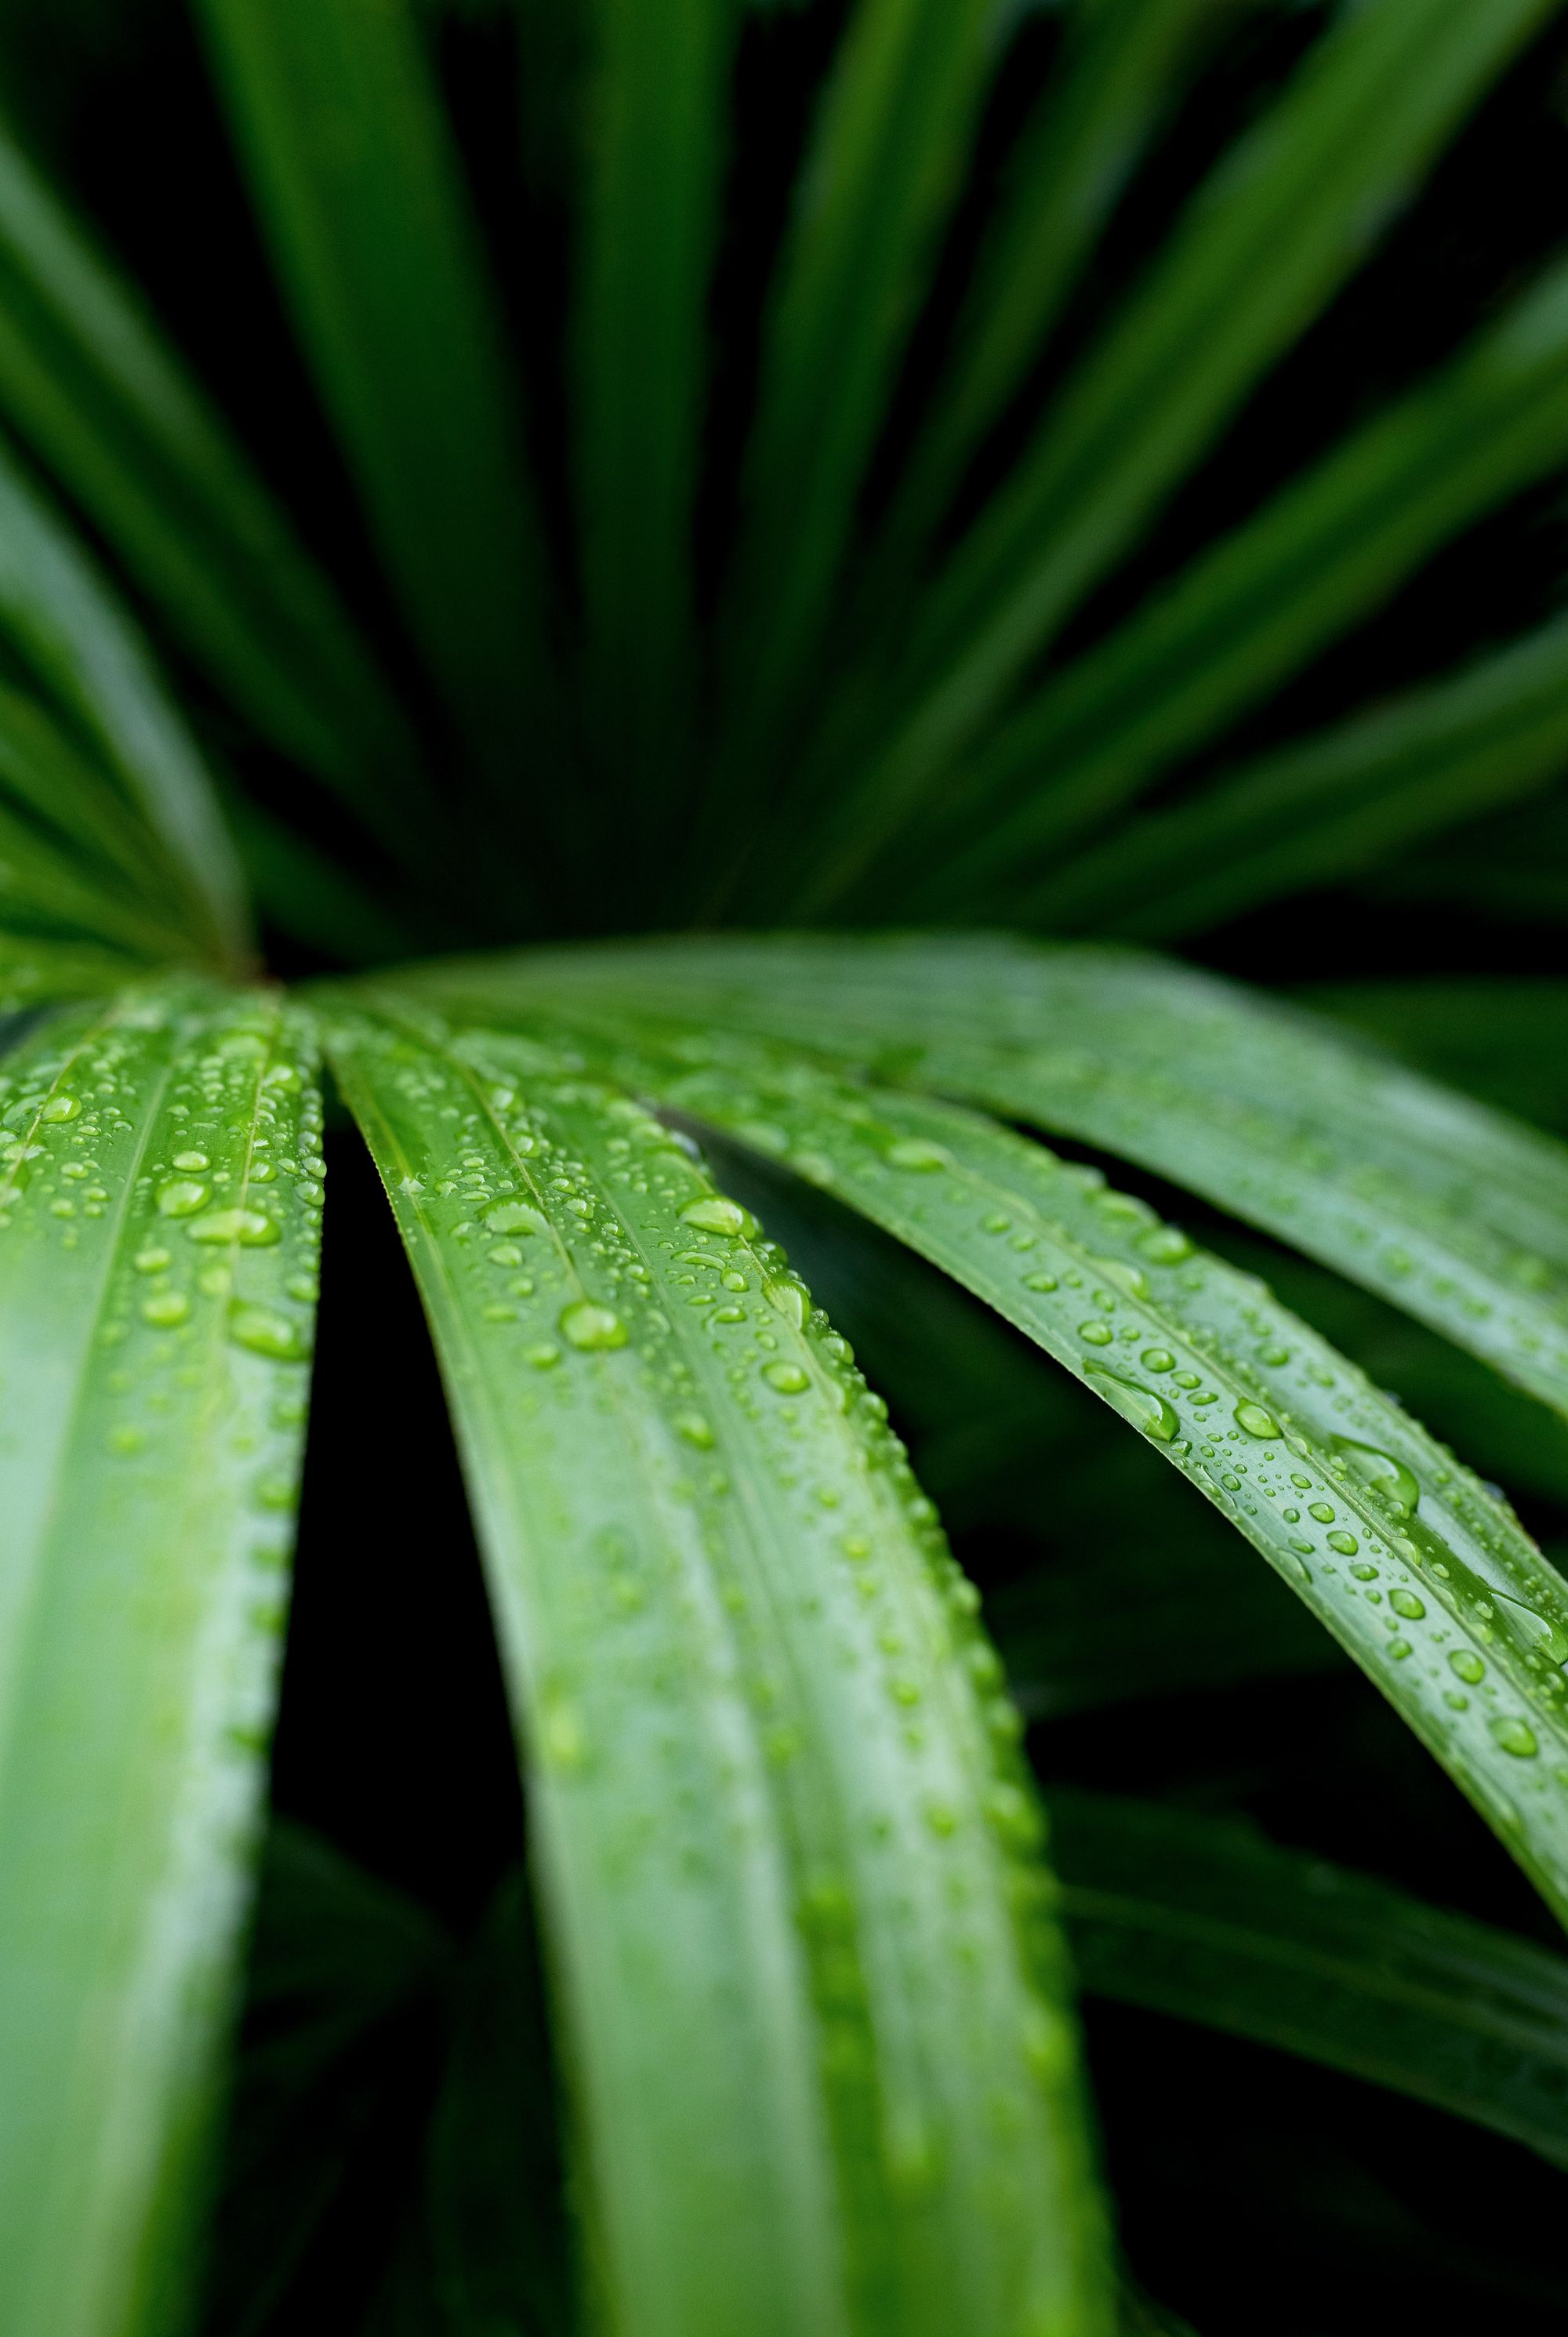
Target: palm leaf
x=1122, y=69
x=1263, y=249
x=1425, y=1578
x=154, y=1323
x=656, y=149
x=1333, y=805
x=60, y=620
x=34, y=970
x=105, y=405
x=1198, y=1917
x=1504, y=1041
x=825, y=2078
x=893, y=123
x=1451, y=1213
x=1253, y=609
x=360, y=192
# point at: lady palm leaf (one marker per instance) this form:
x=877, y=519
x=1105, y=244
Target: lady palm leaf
x=803, y=1944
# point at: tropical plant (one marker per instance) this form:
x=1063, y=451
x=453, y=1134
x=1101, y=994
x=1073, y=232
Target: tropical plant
x=830, y=524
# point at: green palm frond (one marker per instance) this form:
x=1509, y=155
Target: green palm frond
x=745, y=463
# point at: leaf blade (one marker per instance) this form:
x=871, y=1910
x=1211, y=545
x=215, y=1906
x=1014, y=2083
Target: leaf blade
x=1329, y=1481
x=359, y=191
x=1450, y=1212
x=1197, y=1916
x=105, y=405
x=697, y=2235
x=141, y=1617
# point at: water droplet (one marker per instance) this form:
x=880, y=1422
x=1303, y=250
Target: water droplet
x=151, y=1261
x=181, y=1198
x=165, y=1309
x=591, y=1327
x=1140, y=1405
x=542, y=1355
x=1157, y=1359
x=714, y=1214
x=788, y=1378
x=695, y=1429
x=914, y=1152
x=1274, y=1355
x=790, y=1300
x=266, y=1332
x=856, y=1546
x=1468, y=1667
x=1189, y=1380
x=1406, y=1603
x=1096, y=1334
x=1515, y=1736
x=1255, y=1421
x=1040, y=1282
x=1345, y=1543
x=251, y=1228
x=1321, y=1511
x=61, y=1107
x=514, y=1217
x=1165, y=1246
x=1396, y=1482
x=1126, y=1277
x=191, y=1161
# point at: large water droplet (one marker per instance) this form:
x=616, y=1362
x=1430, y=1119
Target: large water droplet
x=1515, y=1736
x=181, y=1196
x=1140, y=1405
x=266, y=1332
x=914, y=1152
x=165, y=1309
x=61, y=1107
x=1396, y=1482
x=251, y=1228
x=1466, y=1665
x=514, y=1217
x=1255, y=1421
x=591, y=1327
x=714, y=1214
x=788, y=1378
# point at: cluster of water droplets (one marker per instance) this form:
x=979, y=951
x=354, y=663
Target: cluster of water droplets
x=1279, y=1432
x=595, y=1242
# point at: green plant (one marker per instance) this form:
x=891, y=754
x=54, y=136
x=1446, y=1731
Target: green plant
x=646, y=645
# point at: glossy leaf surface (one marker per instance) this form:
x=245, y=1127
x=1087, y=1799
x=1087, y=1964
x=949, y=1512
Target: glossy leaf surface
x=1451, y=1212
x=787, y=1866
x=159, y=1202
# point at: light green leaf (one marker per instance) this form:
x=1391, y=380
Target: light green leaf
x=45, y=772
x=1426, y=1579
x=59, y=619
x=657, y=113
x=1450, y=1212
x=1328, y=806
x=154, y=1326
x=895, y=116
x=1124, y=66
x=1264, y=246
x=825, y=2072
x=359, y=191
x=1202, y=1917
x=87, y=381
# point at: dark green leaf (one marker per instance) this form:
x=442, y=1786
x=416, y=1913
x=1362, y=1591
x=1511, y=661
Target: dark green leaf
x=1202, y=1917
x=360, y=192
x=104, y=402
